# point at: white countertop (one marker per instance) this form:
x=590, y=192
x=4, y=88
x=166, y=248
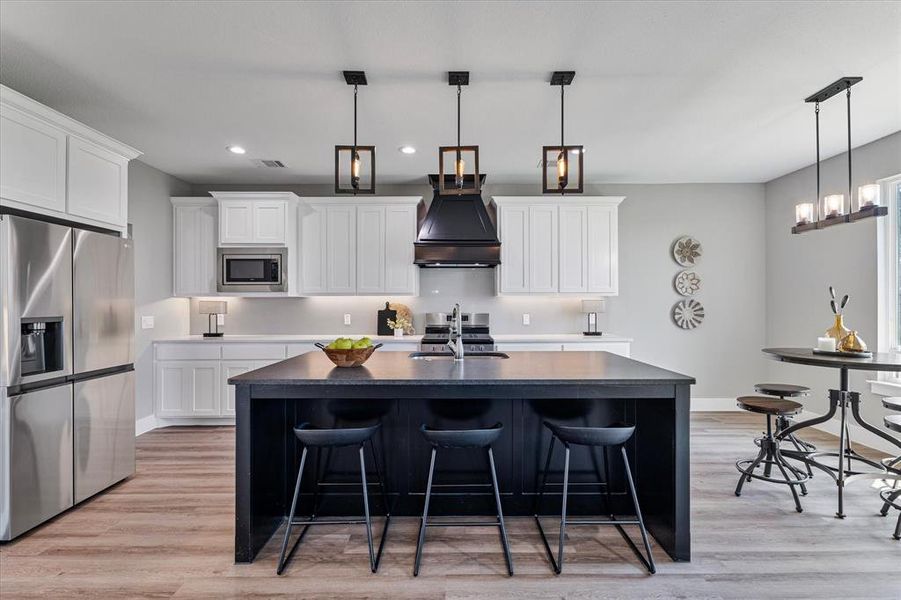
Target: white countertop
x=519, y=338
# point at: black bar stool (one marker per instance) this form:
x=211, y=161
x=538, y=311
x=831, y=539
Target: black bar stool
x=783, y=391
x=313, y=437
x=605, y=437
x=466, y=438
x=769, y=454
x=891, y=497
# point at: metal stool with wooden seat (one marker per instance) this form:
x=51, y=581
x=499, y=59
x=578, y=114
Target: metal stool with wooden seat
x=605, y=437
x=783, y=391
x=891, y=497
x=769, y=455
x=313, y=437
x=456, y=439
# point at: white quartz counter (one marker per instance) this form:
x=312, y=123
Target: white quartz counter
x=502, y=338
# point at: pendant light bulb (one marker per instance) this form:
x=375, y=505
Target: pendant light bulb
x=459, y=170
x=355, y=164
x=562, y=170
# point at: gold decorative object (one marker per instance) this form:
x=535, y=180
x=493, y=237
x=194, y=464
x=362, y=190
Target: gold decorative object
x=838, y=331
x=852, y=343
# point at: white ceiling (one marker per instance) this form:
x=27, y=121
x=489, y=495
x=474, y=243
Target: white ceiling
x=664, y=91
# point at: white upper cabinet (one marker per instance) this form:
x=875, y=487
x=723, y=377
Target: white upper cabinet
x=340, y=249
x=98, y=183
x=401, y=275
x=351, y=247
x=565, y=246
x=195, y=223
x=32, y=161
x=370, y=245
x=312, y=249
x=514, y=236
x=542, y=257
x=55, y=166
x=573, y=249
x=256, y=218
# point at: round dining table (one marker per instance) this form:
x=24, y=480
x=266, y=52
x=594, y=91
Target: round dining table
x=842, y=401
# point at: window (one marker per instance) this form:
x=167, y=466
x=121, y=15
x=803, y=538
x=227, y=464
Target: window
x=889, y=283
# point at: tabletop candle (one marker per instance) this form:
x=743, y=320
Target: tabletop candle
x=826, y=344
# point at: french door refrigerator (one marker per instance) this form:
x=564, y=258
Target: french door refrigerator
x=66, y=368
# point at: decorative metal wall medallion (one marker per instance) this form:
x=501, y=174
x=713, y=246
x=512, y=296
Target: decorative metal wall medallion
x=687, y=283
x=688, y=314
x=687, y=251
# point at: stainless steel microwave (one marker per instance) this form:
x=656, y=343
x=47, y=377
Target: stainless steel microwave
x=253, y=270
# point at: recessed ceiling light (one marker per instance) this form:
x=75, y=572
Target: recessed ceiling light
x=236, y=149
x=407, y=150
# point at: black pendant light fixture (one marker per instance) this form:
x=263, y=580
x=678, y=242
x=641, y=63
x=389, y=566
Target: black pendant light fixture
x=458, y=181
x=832, y=209
x=562, y=159
x=351, y=162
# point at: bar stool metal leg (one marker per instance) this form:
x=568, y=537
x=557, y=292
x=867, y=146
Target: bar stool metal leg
x=649, y=562
x=282, y=560
x=425, y=514
x=384, y=494
x=607, y=496
x=559, y=568
x=500, y=513
x=372, y=564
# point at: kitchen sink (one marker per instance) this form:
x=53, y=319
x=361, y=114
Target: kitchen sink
x=449, y=356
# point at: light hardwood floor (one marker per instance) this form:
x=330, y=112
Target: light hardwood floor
x=168, y=533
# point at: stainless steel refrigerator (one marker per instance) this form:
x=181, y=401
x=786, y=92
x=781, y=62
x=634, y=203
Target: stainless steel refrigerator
x=66, y=368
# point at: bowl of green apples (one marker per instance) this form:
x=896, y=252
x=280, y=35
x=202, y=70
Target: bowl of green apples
x=346, y=352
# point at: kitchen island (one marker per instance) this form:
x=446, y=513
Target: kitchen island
x=578, y=388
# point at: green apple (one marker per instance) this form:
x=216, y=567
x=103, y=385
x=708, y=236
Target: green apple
x=343, y=344
x=363, y=342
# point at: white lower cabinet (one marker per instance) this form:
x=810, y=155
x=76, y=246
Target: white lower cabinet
x=187, y=388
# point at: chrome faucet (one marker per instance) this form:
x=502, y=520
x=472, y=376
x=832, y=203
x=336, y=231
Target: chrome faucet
x=455, y=340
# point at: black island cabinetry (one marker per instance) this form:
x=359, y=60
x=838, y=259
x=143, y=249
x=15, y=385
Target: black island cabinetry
x=575, y=388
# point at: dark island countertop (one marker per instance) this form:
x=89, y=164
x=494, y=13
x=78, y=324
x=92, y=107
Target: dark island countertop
x=387, y=368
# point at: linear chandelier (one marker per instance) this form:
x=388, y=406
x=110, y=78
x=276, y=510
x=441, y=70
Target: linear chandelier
x=832, y=209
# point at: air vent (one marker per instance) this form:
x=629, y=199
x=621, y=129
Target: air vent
x=268, y=163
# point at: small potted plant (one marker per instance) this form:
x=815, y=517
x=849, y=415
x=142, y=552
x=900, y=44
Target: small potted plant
x=399, y=325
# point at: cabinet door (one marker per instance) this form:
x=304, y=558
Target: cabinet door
x=98, y=183
x=514, y=234
x=235, y=222
x=232, y=368
x=400, y=234
x=203, y=388
x=194, y=243
x=340, y=249
x=269, y=222
x=187, y=388
x=370, y=249
x=543, y=249
x=32, y=161
x=573, y=249
x=170, y=381
x=313, y=252
x=603, y=274
x=298, y=349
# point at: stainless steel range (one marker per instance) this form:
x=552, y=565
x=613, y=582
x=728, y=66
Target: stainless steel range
x=475, y=326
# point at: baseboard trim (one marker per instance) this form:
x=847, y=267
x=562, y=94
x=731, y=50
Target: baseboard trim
x=195, y=421
x=145, y=424
x=713, y=404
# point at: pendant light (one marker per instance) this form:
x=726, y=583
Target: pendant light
x=564, y=158
x=832, y=210
x=463, y=182
x=351, y=161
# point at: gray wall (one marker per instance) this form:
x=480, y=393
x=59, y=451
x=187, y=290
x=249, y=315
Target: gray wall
x=799, y=268
x=150, y=214
x=723, y=353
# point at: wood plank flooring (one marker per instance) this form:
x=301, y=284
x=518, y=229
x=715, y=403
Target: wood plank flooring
x=168, y=533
